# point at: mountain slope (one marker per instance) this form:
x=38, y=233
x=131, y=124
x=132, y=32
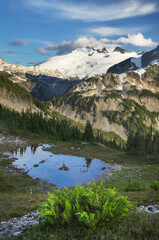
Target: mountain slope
x=120, y=103
x=18, y=98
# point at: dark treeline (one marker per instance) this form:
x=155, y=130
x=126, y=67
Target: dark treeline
x=58, y=129
x=141, y=144
x=137, y=144
x=36, y=123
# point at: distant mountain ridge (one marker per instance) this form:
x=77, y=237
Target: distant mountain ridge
x=79, y=64
x=83, y=63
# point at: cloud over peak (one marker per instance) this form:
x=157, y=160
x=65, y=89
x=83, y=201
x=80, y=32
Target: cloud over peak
x=68, y=46
x=43, y=51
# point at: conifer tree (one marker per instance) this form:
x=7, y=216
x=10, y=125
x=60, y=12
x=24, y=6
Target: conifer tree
x=155, y=145
x=88, y=134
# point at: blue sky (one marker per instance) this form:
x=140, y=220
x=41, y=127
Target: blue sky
x=34, y=30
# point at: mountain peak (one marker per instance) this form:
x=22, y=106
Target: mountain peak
x=121, y=50
x=103, y=50
x=99, y=50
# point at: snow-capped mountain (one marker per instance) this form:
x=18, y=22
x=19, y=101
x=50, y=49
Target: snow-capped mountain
x=79, y=64
x=83, y=63
x=58, y=74
x=86, y=62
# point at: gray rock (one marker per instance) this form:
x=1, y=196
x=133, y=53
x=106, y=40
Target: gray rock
x=149, y=209
x=150, y=56
x=122, y=67
x=118, y=49
x=16, y=226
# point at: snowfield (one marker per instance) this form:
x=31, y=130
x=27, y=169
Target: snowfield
x=84, y=63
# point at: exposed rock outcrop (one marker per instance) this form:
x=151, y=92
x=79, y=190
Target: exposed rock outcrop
x=122, y=67
x=16, y=226
x=150, y=208
x=121, y=50
x=149, y=57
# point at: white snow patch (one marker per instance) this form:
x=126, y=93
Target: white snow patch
x=140, y=71
x=155, y=61
x=134, y=82
x=120, y=88
x=122, y=76
x=122, y=81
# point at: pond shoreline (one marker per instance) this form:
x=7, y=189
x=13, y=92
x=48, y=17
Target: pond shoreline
x=79, y=167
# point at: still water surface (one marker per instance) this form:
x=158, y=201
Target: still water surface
x=42, y=164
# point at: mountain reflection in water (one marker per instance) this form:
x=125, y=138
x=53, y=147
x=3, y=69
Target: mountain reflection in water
x=42, y=164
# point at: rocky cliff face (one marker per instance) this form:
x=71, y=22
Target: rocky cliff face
x=150, y=57
x=145, y=60
x=123, y=67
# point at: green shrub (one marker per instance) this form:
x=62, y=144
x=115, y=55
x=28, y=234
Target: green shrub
x=89, y=206
x=133, y=186
x=155, y=185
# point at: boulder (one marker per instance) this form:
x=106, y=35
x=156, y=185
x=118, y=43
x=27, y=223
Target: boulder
x=150, y=208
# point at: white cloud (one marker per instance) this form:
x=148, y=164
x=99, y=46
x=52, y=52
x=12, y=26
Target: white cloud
x=43, y=51
x=114, y=31
x=94, y=12
x=137, y=40
x=69, y=46
x=37, y=41
x=105, y=40
x=107, y=31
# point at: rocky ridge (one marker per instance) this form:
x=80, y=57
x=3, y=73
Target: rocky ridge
x=145, y=59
